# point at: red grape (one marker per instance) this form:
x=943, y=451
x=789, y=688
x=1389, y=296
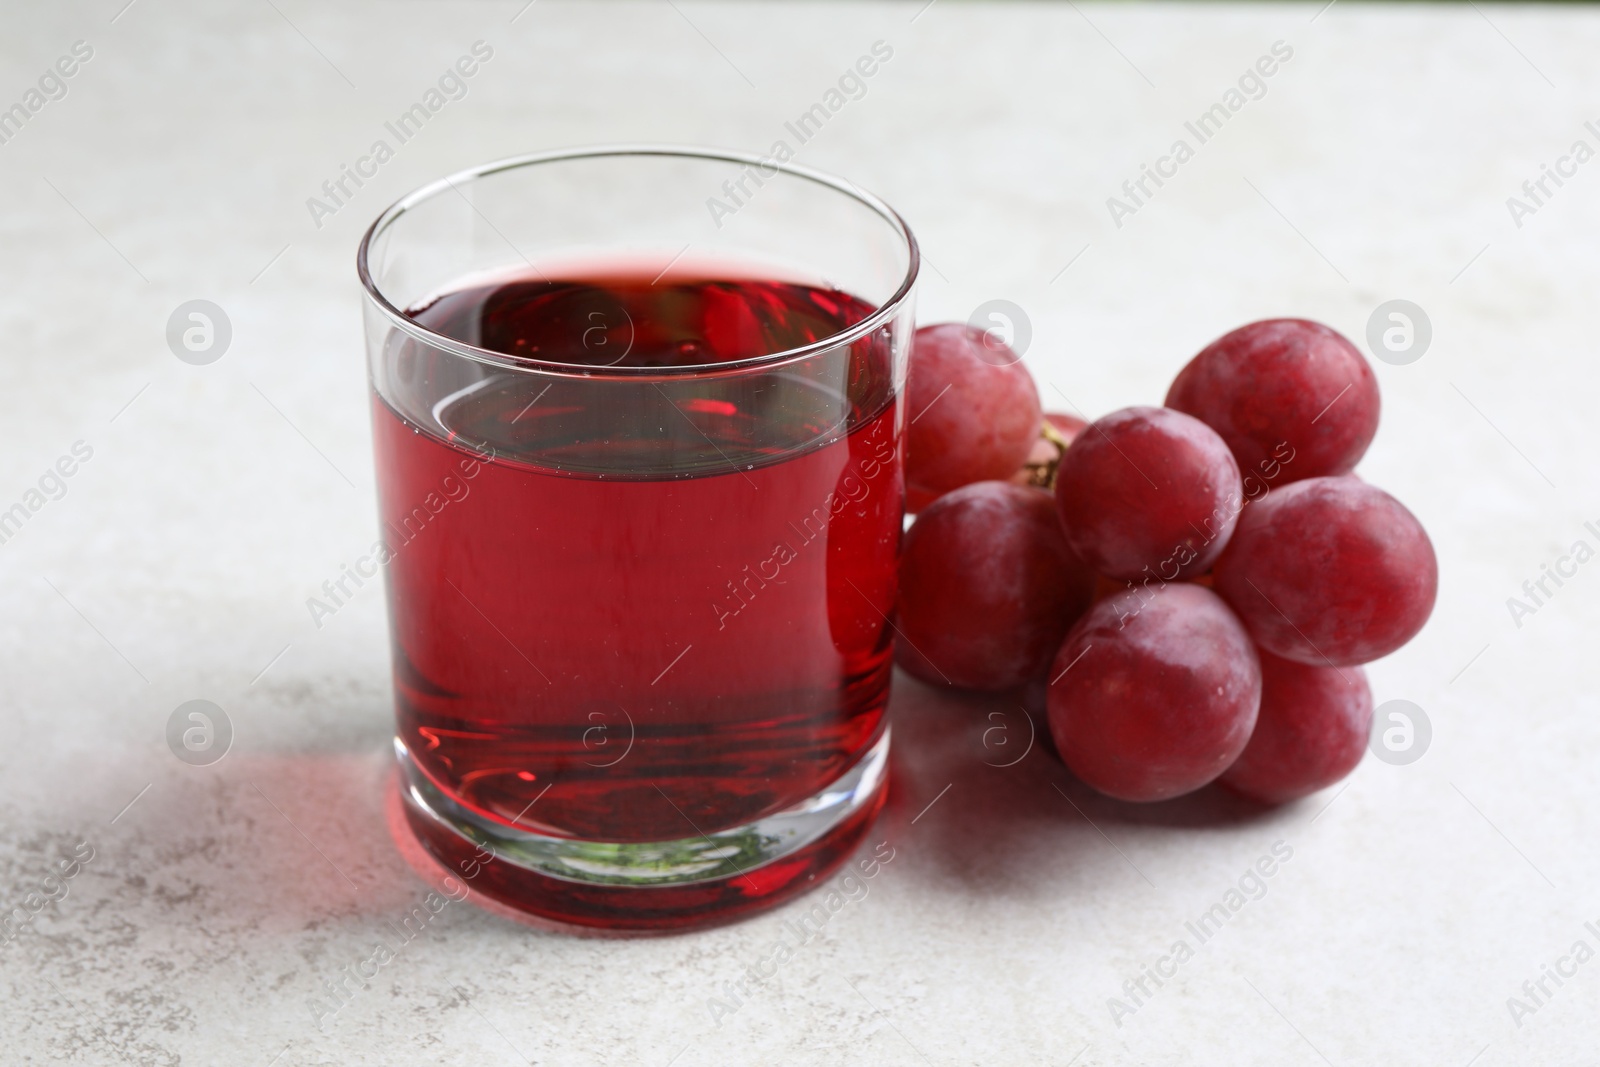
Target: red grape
x=988, y=588
x=1292, y=398
x=973, y=409
x=1148, y=492
x=1154, y=692
x=1311, y=732
x=1329, y=571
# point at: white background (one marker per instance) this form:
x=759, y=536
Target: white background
x=218, y=499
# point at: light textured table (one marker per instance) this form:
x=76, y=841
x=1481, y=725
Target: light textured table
x=1376, y=165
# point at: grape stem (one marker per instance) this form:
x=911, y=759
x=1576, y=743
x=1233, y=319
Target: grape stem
x=1048, y=431
x=1043, y=474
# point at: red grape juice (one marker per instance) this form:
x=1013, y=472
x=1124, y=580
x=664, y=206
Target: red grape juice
x=642, y=604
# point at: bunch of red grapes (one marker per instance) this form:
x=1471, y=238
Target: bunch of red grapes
x=1193, y=586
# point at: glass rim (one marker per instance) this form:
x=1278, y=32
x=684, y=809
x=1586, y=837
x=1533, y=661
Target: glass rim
x=451, y=182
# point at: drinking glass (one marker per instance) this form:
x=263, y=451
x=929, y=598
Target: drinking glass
x=637, y=417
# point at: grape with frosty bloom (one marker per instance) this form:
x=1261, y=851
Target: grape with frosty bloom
x=1311, y=731
x=1154, y=694
x=1148, y=492
x=1329, y=571
x=1283, y=387
x=988, y=588
x=973, y=410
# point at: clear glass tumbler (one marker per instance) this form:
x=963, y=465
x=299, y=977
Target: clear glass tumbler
x=637, y=417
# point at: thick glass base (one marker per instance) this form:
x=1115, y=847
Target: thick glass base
x=658, y=885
